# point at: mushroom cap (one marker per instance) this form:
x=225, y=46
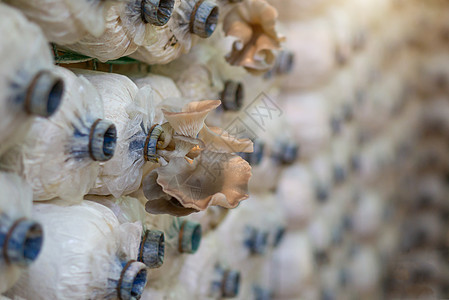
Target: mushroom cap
x=190, y=120
x=252, y=23
x=210, y=179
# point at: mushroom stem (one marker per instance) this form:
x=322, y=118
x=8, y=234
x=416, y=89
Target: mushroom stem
x=20, y=240
x=157, y=12
x=204, y=18
x=44, y=94
x=102, y=140
x=152, y=249
x=132, y=281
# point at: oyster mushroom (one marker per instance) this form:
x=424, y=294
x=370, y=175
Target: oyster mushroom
x=252, y=23
x=200, y=168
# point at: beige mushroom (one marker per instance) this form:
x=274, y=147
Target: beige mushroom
x=211, y=179
x=190, y=120
x=252, y=23
x=199, y=169
x=221, y=141
x=160, y=202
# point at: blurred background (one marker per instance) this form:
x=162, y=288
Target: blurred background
x=370, y=79
x=346, y=103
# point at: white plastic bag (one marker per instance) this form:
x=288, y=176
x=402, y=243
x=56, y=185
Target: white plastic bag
x=164, y=86
x=367, y=218
x=206, y=276
x=313, y=46
x=278, y=146
x=65, y=21
x=133, y=111
x=130, y=210
x=308, y=115
x=182, y=237
x=365, y=271
x=295, y=258
x=193, y=74
x=28, y=85
x=290, y=10
x=190, y=20
x=20, y=237
x=60, y=156
x=129, y=24
x=297, y=196
x=244, y=242
x=87, y=255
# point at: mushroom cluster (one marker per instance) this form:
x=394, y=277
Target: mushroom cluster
x=198, y=165
x=252, y=23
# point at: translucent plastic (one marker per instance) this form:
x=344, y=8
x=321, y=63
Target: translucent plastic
x=365, y=271
x=15, y=203
x=65, y=21
x=244, y=243
x=56, y=157
x=166, y=43
x=165, y=277
x=308, y=115
x=133, y=111
x=313, y=46
x=126, y=209
x=291, y=10
x=175, y=291
x=206, y=276
x=130, y=210
x=194, y=78
x=164, y=86
x=297, y=196
x=17, y=74
x=83, y=256
x=295, y=258
x=209, y=219
x=367, y=216
x=165, y=92
x=112, y=46
x=129, y=24
x=251, y=235
x=278, y=144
